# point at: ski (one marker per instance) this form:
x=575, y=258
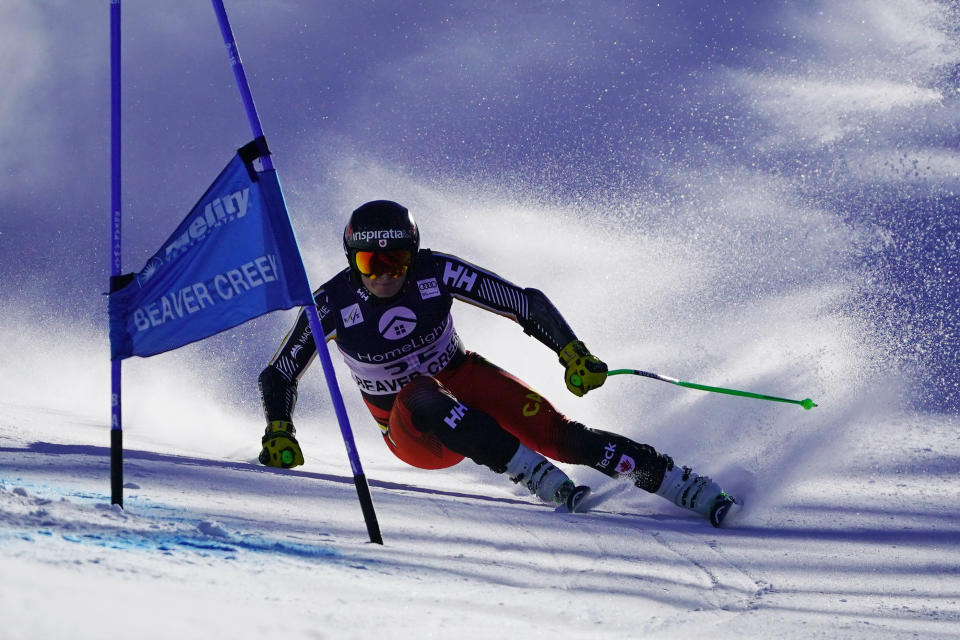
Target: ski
x=574, y=501
x=720, y=508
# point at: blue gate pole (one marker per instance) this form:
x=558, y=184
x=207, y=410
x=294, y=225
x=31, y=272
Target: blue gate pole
x=359, y=478
x=116, y=422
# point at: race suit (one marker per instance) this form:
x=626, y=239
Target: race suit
x=434, y=401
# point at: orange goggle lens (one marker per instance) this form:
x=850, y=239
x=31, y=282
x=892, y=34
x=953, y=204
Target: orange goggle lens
x=374, y=264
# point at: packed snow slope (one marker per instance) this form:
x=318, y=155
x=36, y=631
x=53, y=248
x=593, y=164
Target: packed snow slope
x=861, y=540
x=756, y=195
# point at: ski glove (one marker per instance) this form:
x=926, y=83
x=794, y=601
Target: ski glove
x=585, y=371
x=280, y=447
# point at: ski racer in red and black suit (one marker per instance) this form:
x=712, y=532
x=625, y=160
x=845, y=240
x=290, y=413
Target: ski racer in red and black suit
x=436, y=403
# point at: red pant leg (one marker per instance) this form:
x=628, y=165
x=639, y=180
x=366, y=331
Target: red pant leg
x=515, y=406
x=418, y=449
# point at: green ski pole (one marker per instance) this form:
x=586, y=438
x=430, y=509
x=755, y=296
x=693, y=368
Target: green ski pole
x=806, y=403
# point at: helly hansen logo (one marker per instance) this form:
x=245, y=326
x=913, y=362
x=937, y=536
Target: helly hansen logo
x=453, y=419
x=458, y=276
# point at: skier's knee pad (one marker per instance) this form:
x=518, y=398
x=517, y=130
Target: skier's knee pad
x=428, y=402
x=468, y=431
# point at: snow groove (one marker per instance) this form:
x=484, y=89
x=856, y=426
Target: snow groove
x=728, y=587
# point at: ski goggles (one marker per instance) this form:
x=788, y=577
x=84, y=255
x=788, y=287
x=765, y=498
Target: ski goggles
x=376, y=264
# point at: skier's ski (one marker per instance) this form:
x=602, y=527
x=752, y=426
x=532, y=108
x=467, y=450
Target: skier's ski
x=720, y=508
x=576, y=497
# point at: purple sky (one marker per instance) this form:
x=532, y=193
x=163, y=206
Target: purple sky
x=855, y=106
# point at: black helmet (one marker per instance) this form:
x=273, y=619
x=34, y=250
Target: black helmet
x=381, y=225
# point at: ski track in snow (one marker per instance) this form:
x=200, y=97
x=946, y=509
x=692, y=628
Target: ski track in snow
x=463, y=559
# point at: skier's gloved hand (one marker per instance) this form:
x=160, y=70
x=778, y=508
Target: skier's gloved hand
x=585, y=371
x=280, y=447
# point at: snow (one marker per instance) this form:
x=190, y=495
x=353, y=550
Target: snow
x=219, y=545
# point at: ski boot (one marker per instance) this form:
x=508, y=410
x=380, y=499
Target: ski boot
x=700, y=494
x=280, y=446
x=545, y=480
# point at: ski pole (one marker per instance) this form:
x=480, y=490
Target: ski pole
x=359, y=478
x=806, y=403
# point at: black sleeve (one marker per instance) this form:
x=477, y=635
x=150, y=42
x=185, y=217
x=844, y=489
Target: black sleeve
x=545, y=323
x=278, y=380
x=530, y=308
x=277, y=395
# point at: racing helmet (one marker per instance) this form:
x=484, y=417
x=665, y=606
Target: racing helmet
x=381, y=239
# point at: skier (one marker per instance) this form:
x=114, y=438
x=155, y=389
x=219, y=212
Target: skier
x=437, y=403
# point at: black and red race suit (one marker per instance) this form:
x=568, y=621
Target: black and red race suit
x=464, y=405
